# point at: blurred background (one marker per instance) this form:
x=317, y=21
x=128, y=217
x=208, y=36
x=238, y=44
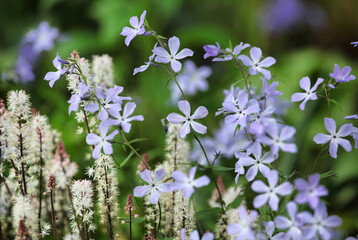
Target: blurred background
x=307, y=37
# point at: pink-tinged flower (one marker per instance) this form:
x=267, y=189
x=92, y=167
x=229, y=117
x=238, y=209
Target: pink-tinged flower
x=188, y=120
x=163, y=56
x=138, y=28
x=54, y=76
x=257, y=66
x=188, y=184
x=243, y=229
x=305, y=84
x=310, y=192
x=155, y=187
x=269, y=193
x=335, y=138
x=342, y=76
x=102, y=141
x=319, y=223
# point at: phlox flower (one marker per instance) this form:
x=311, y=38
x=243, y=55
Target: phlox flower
x=211, y=50
x=258, y=163
x=305, y=84
x=355, y=116
x=293, y=224
x=310, y=192
x=155, y=187
x=163, y=56
x=335, y=138
x=102, y=141
x=195, y=235
x=106, y=102
x=277, y=138
x=354, y=44
x=257, y=66
x=269, y=231
x=188, y=120
x=188, y=184
x=342, y=76
x=145, y=66
x=242, y=230
x=54, y=76
x=228, y=53
x=76, y=98
x=238, y=113
x=319, y=223
x=138, y=28
x=269, y=192
x=124, y=119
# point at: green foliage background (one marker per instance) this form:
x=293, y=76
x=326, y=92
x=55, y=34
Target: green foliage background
x=93, y=27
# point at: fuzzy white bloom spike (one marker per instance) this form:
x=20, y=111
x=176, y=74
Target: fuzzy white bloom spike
x=103, y=70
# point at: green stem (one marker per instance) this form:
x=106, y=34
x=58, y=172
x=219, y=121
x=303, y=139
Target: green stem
x=130, y=146
x=315, y=162
x=212, y=174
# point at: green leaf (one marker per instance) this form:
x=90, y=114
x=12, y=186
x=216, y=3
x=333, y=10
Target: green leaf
x=210, y=211
x=127, y=159
x=327, y=174
x=222, y=168
x=169, y=238
x=138, y=220
x=336, y=103
x=138, y=140
x=237, y=201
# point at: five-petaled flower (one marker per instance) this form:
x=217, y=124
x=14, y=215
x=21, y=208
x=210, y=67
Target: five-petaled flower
x=310, y=192
x=342, y=76
x=269, y=192
x=155, y=187
x=187, y=184
x=124, y=119
x=188, y=120
x=305, y=84
x=101, y=141
x=163, y=56
x=335, y=138
x=278, y=137
x=138, y=28
x=257, y=66
x=54, y=76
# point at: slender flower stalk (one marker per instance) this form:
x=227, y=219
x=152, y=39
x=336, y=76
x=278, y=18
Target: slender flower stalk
x=52, y=185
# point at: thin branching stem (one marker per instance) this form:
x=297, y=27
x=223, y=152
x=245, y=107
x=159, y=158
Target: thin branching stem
x=210, y=167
